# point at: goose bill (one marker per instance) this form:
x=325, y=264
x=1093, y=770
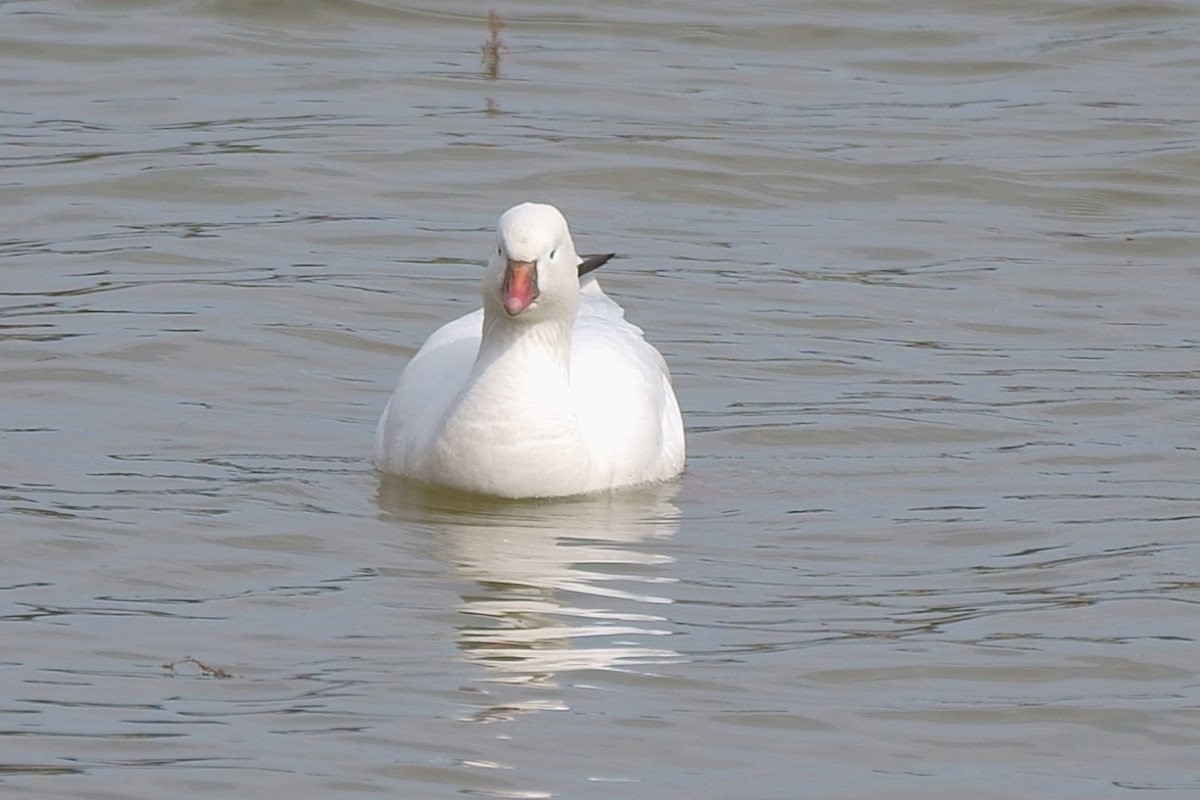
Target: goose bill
x=520, y=287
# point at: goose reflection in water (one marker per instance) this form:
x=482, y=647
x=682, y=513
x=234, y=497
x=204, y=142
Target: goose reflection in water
x=558, y=586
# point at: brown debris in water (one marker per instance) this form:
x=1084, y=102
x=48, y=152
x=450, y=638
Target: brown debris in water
x=490, y=57
x=205, y=670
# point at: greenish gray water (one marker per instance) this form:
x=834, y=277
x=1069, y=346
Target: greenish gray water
x=926, y=278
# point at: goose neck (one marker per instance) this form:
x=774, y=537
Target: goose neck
x=546, y=343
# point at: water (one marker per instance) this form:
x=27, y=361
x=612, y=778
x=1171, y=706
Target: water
x=925, y=278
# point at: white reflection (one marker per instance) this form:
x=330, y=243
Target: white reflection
x=558, y=586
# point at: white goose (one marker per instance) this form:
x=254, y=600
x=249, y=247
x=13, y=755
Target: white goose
x=544, y=392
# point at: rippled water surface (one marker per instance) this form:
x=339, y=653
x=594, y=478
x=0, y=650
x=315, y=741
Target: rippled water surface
x=926, y=276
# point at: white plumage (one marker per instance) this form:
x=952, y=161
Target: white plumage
x=546, y=391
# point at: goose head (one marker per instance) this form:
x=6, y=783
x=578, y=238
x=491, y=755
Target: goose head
x=533, y=273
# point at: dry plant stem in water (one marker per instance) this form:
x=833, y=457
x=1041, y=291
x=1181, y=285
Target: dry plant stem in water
x=492, y=47
x=205, y=669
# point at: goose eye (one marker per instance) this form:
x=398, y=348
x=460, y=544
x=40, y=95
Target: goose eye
x=553, y=253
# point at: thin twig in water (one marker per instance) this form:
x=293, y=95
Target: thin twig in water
x=205, y=669
x=490, y=57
